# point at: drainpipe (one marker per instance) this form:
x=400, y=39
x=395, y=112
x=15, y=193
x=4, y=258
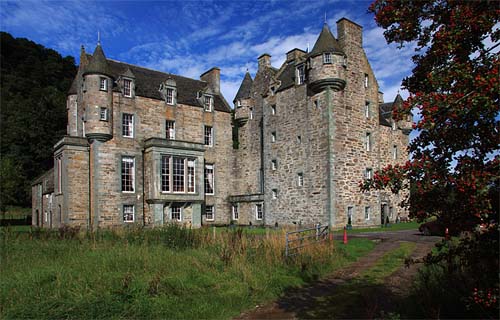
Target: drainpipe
x=143, y=192
x=89, y=224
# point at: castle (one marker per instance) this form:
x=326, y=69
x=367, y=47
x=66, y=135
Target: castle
x=150, y=148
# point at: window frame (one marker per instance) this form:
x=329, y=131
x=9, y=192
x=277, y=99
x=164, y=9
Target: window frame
x=171, y=96
x=101, y=118
x=368, y=211
x=206, y=183
x=274, y=165
x=59, y=174
x=124, y=160
x=129, y=125
x=273, y=136
x=300, y=179
x=394, y=152
x=213, y=213
x=257, y=207
x=208, y=140
x=327, y=58
x=127, y=89
x=235, y=209
x=367, y=110
x=366, y=81
x=274, y=194
x=273, y=110
x=368, y=142
x=350, y=211
x=250, y=113
x=210, y=106
x=168, y=136
x=127, y=214
x=165, y=177
x=103, y=84
x=368, y=173
x=171, y=209
x=301, y=74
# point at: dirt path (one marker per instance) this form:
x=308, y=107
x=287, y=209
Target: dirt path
x=341, y=296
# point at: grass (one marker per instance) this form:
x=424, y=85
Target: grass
x=160, y=273
x=413, y=225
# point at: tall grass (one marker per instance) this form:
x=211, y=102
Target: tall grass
x=169, y=272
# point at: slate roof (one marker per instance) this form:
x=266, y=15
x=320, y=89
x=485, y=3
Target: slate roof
x=47, y=181
x=147, y=83
x=385, y=114
x=326, y=42
x=287, y=77
x=245, y=89
x=97, y=63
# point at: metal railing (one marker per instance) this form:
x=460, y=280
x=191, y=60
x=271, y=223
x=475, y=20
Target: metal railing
x=295, y=240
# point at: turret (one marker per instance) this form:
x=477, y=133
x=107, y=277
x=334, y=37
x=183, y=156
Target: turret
x=98, y=97
x=242, y=100
x=327, y=63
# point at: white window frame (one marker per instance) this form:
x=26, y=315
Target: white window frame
x=394, y=125
x=103, y=84
x=300, y=179
x=366, y=81
x=273, y=136
x=234, y=211
x=127, y=88
x=183, y=175
x=124, y=214
x=274, y=165
x=129, y=124
x=165, y=162
x=368, y=211
x=188, y=185
x=172, y=212
x=209, y=166
x=128, y=159
x=394, y=152
x=191, y=184
x=368, y=141
x=327, y=58
x=250, y=113
x=170, y=130
x=274, y=193
x=213, y=213
x=367, y=110
x=208, y=140
x=273, y=110
x=368, y=173
x=350, y=211
x=257, y=206
x=301, y=74
x=208, y=103
x=169, y=96
x=103, y=116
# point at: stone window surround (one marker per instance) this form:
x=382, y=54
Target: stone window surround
x=128, y=88
x=170, y=129
x=103, y=84
x=208, y=136
x=327, y=58
x=208, y=103
x=274, y=165
x=103, y=114
x=367, y=110
x=212, y=214
x=368, y=141
x=130, y=124
x=126, y=214
x=209, y=167
x=274, y=193
x=273, y=110
x=259, y=211
x=368, y=173
x=125, y=175
x=273, y=136
x=368, y=211
x=300, y=179
x=169, y=96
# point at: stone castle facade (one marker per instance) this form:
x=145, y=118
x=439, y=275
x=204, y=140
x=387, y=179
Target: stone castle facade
x=150, y=148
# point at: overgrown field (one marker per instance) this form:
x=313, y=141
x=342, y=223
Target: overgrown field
x=162, y=273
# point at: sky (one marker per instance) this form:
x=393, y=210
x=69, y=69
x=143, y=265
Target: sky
x=190, y=37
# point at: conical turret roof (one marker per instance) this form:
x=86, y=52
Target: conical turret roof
x=245, y=88
x=98, y=63
x=326, y=42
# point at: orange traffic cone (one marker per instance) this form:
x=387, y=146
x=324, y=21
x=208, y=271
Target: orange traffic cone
x=345, y=236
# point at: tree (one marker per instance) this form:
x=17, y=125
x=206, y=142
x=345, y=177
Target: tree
x=454, y=89
x=34, y=83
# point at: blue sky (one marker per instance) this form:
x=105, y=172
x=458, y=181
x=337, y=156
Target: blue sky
x=190, y=37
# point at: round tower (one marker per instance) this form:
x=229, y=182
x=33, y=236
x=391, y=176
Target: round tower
x=98, y=97
x=327, y=63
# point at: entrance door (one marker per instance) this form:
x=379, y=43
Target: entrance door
x=383, y=213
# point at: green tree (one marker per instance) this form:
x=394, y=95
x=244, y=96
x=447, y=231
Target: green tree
x=454, y=87
x=34, y=83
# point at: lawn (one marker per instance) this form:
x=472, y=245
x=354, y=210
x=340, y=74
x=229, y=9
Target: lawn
x=162, y=273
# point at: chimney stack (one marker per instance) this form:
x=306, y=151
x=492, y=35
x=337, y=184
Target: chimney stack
x=212, y=77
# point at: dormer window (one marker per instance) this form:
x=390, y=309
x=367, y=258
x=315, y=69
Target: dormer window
x=169, y=96
x=327, y=58
x=301, y=74
x=208, y=103
x=103, y=84
x=127, y=88
x=168, y=91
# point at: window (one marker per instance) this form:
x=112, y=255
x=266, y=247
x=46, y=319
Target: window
x=128, y=213
x=316, y=103
x=178, y=174
x=208, y=103
x=103, y=114
x=103, y=84
x=209, y=213
x=368, y=173
x=368, y=211
x=128, y=174
x=170, y=129
x=273, y=109
x=368, y=143
x=275, y=193
x=367, y=109
x=128, y=125
x=299, y=139
x=238, y=103
x=209, y=136
x=394, y=125
x=259, y=214
x=127, y=88
x=301, y=74
x=250, y=113
x=273, y=136
x=300, y=179
x=169, y=95
x=209, y=179
x=165, y=173
x=235, y=212
x=394, y=152
x=176, y=213
x=274, y=165
x=327, y=58
x=350, y=212
x=59, y=175
x=366, y=80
